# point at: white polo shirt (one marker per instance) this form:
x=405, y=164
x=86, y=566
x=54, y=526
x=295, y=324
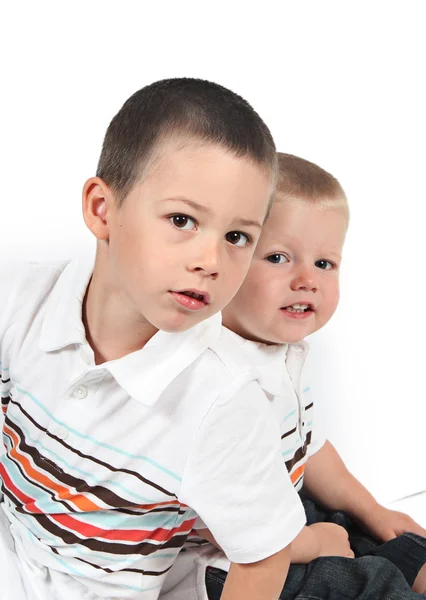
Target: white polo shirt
x=107, y=466
x=283, y=379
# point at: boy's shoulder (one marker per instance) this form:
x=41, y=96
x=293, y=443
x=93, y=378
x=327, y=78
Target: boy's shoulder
x=268, y=362
x=224, y=367
x=27, y=285
x=230, y=353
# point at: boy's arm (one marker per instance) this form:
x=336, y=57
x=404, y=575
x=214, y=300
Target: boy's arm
x=320, y=539
x=328, y=481
x=262, y=580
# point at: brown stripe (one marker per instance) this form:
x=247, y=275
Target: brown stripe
x=296, y=483
x=139, y=511
x=300, y=453
x=309, y=406
x=288, y=433
x=139, y=571
x=94, y=459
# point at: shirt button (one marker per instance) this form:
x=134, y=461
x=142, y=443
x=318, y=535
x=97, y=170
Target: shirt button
x=61, y=433
x=80, y=392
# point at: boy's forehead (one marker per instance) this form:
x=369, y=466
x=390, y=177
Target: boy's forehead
x=165, y=150
x=184, y=150
x=295, y=220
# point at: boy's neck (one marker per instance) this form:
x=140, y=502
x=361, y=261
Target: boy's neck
x=112, y=329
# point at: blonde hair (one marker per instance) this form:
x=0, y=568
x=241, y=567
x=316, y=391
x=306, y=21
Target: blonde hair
x=301, y=180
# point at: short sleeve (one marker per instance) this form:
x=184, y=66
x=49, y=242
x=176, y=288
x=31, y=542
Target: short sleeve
x=236, y=481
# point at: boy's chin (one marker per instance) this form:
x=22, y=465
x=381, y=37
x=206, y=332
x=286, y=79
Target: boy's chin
x=278, y=337
x=292, y=338
x=180, y=323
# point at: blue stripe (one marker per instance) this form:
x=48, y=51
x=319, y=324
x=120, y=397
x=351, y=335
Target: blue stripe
x=293, y=412
x=97, y=442
x=111, y=520
x=67, y=567
x=306, y=390
x=288, y=452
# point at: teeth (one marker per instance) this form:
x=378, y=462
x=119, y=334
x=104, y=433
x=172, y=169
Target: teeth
x=297, y=308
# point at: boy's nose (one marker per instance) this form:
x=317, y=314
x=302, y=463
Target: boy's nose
x=305, y=281
x=207, y=261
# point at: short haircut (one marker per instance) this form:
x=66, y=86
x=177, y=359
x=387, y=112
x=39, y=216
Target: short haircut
x=300, y=179
x=182, y=106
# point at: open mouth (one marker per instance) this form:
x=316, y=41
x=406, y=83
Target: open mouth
x=192, y=299
x=299, y=308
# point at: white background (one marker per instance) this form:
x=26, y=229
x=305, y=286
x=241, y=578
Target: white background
x=339, y=83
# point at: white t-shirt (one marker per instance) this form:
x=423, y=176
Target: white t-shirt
x=107, y=466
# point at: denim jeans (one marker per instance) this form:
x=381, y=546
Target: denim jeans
x=378, y=571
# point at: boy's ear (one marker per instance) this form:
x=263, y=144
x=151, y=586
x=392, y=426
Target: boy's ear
x=98, y=202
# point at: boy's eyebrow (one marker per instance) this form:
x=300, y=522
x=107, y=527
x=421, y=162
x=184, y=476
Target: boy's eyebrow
x=207, y=210
x=336, y=255
x=189, y=202
x=249, y=222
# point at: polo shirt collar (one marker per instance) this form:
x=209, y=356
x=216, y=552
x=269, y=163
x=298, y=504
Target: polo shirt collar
x=146, y=373
x=63, y=324
x=143, y=374
x=270, y=360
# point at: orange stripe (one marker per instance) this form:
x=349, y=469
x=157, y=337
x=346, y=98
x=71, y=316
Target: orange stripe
x=160, y=504
x=297, y=473
x=83, y=503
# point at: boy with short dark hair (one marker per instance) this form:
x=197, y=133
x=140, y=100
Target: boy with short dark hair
x=127, y=412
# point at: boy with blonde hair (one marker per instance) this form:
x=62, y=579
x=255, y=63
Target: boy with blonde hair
x=291, y=291
x=127, y=411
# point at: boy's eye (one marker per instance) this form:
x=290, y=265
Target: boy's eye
x=182, y=222
x=324, y=264
x=277, y=259
x=237, y=238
